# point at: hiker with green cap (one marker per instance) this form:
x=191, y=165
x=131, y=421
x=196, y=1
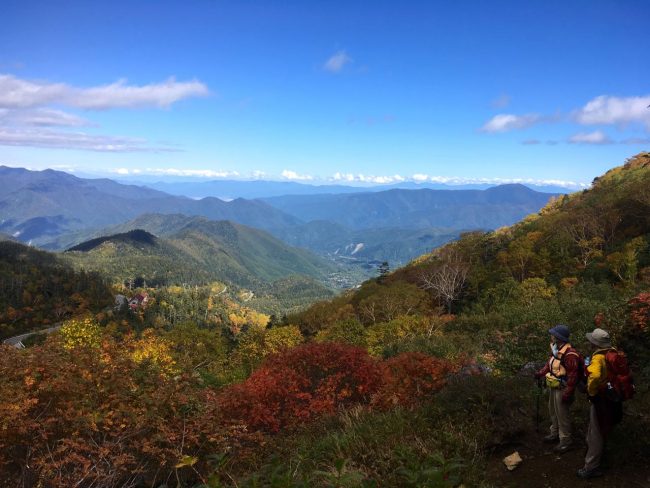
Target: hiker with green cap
x=561, y=373
x=606, y=409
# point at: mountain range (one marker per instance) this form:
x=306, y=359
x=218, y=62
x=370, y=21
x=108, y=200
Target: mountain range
x=37, y=206
x=231, y=189
x=55, y=210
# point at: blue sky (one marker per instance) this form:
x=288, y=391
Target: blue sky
x=326, y=91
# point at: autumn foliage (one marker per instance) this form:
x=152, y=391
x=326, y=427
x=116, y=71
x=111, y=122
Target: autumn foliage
x=96, y=417
x=303, y=383
x=319, y=378
x=410, y=377
x=640, y=311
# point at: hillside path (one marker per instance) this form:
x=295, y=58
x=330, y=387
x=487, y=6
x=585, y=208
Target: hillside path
x=17, y=341
x=542, y=468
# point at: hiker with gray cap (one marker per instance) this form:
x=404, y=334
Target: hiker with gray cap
x=609, y=383
x=561, y=372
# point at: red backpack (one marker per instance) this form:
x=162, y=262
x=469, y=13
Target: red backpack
x=620, y=384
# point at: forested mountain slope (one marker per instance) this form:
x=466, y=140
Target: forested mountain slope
x=195, y=250
x=417, y=209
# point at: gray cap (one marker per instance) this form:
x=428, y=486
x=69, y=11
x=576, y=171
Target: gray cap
x=599, y=338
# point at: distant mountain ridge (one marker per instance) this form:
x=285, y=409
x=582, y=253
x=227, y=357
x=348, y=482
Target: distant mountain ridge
x=38, y=205
x=231, y=189
x=417, y=209
x=195, y=250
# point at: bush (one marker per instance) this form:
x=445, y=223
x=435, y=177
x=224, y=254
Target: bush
x=95, y=417
x=349, y=331
x=81, y=332
x=410, y=377
x=301, y=384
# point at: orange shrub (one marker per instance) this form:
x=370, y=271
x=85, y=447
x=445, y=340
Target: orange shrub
x=95, y=414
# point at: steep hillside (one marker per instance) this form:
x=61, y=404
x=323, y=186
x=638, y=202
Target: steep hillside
x=417, y=209
x=195, y=250
x=38, y=206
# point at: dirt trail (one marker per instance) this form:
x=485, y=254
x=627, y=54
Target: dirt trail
x=542, y=468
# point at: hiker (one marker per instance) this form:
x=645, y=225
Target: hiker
x=561, y=372
x=606, y=408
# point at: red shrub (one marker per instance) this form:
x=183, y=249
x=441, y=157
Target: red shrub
x=302, y=383
x=640, y=311
x=409, y=377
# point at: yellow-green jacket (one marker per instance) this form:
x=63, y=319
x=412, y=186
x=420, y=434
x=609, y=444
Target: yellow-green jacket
x=597, y=372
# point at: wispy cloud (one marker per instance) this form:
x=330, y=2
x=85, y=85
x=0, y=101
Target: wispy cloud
x=596, y=137
x=75, y=140
x=26, y=110
x=41, y=117
x=609, y=110
x=292, y=175
x=508, y=122
x=337, y=62
x=20, y=93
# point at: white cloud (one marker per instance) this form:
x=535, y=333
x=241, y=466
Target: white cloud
x=385, y=179
x=292, y=175
x=19, y=93
x=361, y=178
x=42, y=117
x=337, y=62
x=508, y=122
x=615, y=110
x=343, y=177
x=257, y=174
x=24, y=110
x=596, y=137
x=74, y=140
